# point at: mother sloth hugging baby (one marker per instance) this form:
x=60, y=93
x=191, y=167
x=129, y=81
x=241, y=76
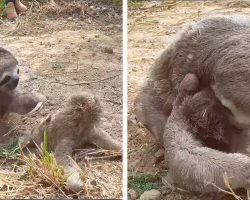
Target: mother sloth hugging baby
x=196, y=101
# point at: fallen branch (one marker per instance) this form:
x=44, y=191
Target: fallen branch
x=86, y=82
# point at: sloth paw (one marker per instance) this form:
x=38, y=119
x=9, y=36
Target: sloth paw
x=74, y=182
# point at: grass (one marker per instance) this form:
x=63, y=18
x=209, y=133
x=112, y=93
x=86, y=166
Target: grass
x=143, y=183
x=47, y=158
x=2, y=11
x=46, y=164
x=39, y=168
x=35, y=173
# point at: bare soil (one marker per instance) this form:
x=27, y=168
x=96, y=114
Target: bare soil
x=71, y=47
x=150, y=31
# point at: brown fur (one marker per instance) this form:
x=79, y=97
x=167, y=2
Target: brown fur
x=71, y=127
x=216, y=50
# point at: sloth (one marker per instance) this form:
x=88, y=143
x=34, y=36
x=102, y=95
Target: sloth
x=216, y=50
x=11, y=100
x=76, y=124
x=207, y=118
x=196, y=167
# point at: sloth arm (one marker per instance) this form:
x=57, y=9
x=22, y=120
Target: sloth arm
x=63, y=153
x=22, y=103
x=102, y=139
x=197, y=168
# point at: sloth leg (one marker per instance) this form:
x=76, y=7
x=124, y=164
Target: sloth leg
x=103, y=140
x=152, y=117
x=63, y=151
x=150, y=111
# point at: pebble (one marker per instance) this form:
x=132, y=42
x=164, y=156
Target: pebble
x=108, y=50
x=151, y=195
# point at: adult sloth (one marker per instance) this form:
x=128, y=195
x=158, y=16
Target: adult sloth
x=10, y=99
x=217, y=51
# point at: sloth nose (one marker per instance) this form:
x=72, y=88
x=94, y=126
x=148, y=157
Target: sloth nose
x=12, y=82
x=15, y=81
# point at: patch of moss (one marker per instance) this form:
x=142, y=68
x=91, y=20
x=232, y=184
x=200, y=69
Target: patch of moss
x=143, y=183
x=10, y=149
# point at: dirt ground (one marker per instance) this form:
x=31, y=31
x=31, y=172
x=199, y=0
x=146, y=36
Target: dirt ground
x=64, y=43
x=150, y=30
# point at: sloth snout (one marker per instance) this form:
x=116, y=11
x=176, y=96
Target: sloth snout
x=12, y=84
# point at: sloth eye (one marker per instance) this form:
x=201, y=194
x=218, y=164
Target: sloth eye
x=5, y=80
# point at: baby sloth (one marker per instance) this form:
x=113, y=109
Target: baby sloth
x=74, y=125
x=208, y=119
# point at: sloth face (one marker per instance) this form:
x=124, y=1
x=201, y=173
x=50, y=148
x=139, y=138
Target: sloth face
x=236, y=99
x=238, y=118
x=9, y=72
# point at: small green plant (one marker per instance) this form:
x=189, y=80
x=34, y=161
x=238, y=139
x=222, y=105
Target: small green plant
x=2, y=8
x=57, y=66
x=10, y=149
x=47, y=157
x=143, y=183
x=45, y=165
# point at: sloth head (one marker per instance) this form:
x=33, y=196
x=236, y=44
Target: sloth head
x=206, y=114
x=9, y=72
x=87, y=104
x=231, y=78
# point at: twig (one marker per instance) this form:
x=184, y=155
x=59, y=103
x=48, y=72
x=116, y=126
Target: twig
x=226, y=182
x=86, y=82
x=112, y=101
x=77, y=64
x=167, y=183
x=225, y=191
x=31, y=7
x=111, y=157
x=11, y=131
x=99, y=154
x=96, y=152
